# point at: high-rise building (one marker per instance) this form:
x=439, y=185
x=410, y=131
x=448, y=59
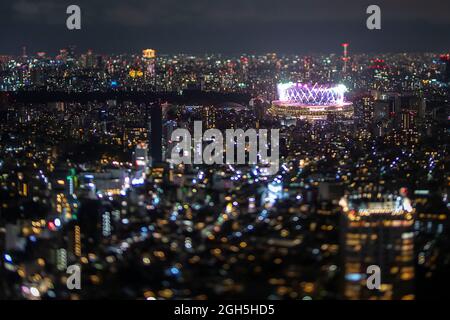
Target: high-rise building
x=209, y=115
x=169, y=126
x=408, y=120
x=365, y=110
x=445, y=58
x=155, y=142
x=90, y=59
x=431, y=225
x=71, y=52
x=377, y=230
x=345, y=57
x=260, y=108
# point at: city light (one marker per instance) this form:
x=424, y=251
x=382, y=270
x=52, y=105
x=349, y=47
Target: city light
x=311, y=94
x=311, y=102
x=201, y=176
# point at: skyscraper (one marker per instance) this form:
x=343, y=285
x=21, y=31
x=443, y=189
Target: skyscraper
x=445, y=58
x=365, y=110
x=345, y=57
x=155, y=142
x=209, y=115
x=377, y=230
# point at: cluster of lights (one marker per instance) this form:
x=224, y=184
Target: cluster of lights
x=311, y=95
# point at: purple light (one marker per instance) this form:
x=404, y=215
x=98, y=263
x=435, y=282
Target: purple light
x=311, y=95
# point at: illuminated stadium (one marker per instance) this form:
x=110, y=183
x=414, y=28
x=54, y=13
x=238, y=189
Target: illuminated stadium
x=308, y=102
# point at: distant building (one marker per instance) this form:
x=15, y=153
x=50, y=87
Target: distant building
x=156, y=129
x=445, y=58
x=209, y=116
x=365, y=110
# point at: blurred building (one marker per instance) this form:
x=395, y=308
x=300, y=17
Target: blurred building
x=377, y=229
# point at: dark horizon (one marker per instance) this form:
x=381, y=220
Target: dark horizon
x=228, y=27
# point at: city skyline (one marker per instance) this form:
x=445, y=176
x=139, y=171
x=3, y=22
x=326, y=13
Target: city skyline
x=87, y=176
x=208, y=150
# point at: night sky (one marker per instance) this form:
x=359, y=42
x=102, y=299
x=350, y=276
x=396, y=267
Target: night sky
x=227, y=26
